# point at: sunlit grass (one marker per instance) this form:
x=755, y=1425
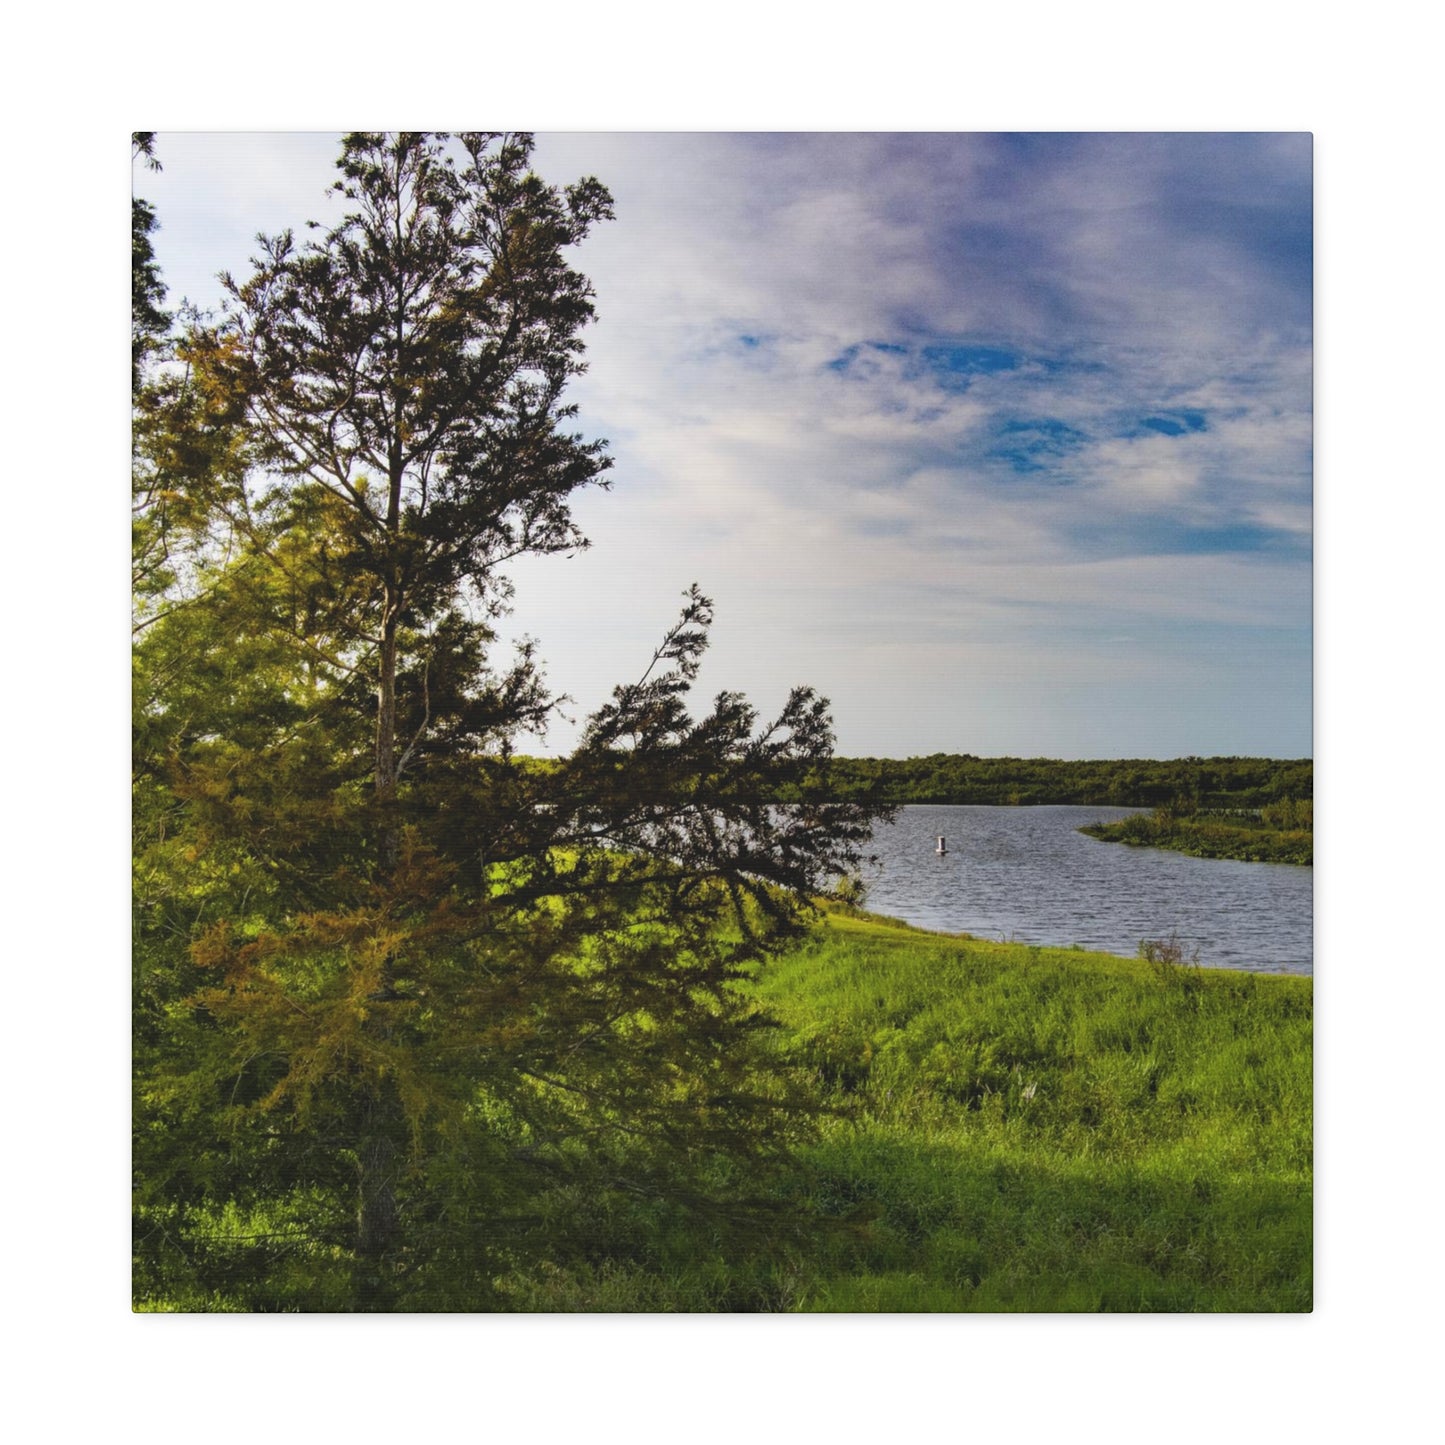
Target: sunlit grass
x=1047, y=1129
x=1015, y=1128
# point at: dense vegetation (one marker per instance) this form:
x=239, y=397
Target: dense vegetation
x=400, y=1005
x=1008, y=1128
x=1281, y=832
x=1128, y=783
x=1005, y=1128
x=1044, y=1129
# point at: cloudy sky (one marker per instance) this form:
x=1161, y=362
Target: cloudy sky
x=1002, y=442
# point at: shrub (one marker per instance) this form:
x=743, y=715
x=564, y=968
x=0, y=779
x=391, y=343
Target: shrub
x=1168, y=952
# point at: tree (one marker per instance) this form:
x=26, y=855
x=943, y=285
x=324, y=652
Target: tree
x=411, y=367
x=188, y=443
x=148, y=320
x=408, y=986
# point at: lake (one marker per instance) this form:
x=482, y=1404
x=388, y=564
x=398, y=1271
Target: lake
x=1026, y=874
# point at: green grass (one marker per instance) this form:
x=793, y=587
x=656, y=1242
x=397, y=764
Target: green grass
x=1006, y=1128
x=1016, y=1128
x=1052, y=1130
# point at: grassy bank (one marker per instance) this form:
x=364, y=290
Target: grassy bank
x=1278, y=833
x=1015, y=1128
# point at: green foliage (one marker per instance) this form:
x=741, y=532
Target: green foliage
x=401, y=1000
x=1132, y=782
x=1289, y=815
x=1280, y=832
x=149, y=322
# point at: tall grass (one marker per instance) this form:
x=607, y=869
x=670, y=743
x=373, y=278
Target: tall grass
x=1004, y=1128
x=1013, y=1128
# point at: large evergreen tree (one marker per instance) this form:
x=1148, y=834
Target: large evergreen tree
x=407, y=372
x=403, y=994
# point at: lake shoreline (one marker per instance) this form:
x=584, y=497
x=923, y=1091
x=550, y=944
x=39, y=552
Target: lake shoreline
x=1028, y=875
x=1021, y=951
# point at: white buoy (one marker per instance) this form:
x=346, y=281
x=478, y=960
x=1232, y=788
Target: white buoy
x=942, y=846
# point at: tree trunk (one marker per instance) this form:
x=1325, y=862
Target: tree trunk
x=376, y=1155
x=376, y=1195
x=376, y=1208
x=388, y=843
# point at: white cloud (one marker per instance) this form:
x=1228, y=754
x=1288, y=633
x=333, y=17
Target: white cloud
x=879, y=518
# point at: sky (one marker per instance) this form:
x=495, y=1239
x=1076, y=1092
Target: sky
x=1002, y=442
x=1123, y=65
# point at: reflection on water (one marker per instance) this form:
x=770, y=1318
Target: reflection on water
x=1028, y=874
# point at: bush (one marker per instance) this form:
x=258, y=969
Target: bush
x=1168, y=952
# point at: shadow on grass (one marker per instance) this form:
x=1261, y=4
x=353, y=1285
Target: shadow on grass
x=925, y=1227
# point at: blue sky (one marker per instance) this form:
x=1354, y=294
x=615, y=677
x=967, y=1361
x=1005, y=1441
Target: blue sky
x=1002, y=442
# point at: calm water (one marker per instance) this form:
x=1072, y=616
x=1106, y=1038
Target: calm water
x=1027, y=874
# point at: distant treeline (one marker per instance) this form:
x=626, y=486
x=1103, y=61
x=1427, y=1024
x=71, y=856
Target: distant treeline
x=1130, y=782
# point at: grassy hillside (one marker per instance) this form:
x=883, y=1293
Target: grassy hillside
x=1013, y=1128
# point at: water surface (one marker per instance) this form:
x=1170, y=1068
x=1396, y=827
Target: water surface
x=1029, y=875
